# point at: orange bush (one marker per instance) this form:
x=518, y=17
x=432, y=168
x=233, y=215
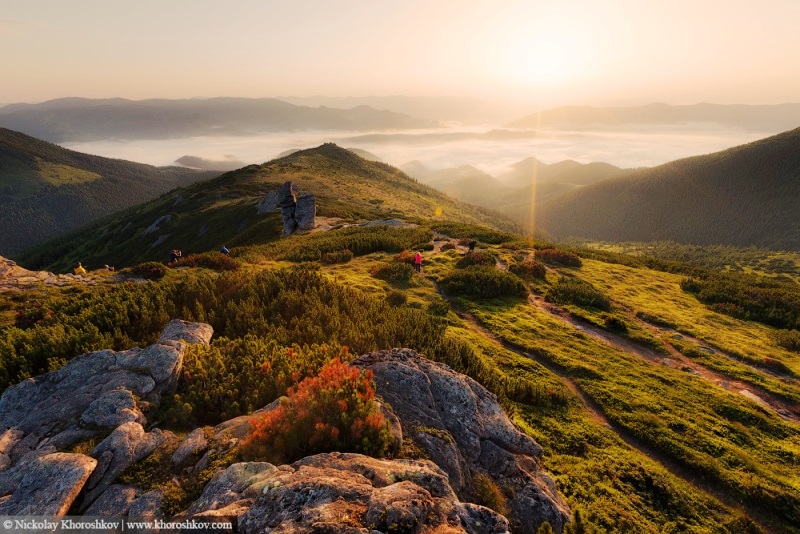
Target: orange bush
x=333, y=411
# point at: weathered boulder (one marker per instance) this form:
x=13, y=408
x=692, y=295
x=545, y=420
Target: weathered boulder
x=93, y=391
x=305, y=211
x=113, y=502
x=192, y=444
x=240, y=483
x=147, y=507
x=462, y=428
x=49, y=485
x=297, y=213
x=269, y=203
x=125, y=446
x=340, y=492
x=112, y=409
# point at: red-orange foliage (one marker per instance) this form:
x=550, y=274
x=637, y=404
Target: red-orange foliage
x=333, y=411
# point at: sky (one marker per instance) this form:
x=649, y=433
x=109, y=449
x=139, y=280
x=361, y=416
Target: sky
x=540, y=52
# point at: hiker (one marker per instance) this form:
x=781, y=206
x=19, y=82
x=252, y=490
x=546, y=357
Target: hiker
x=224, y=250
x=80, y=270
x=174, y=255
x=472, y=246
x=418, y=261
x=108, y=267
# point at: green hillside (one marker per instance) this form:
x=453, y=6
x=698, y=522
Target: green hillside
x=46, y=190
x=224, y=210
x=747, y=195
x=657, y=412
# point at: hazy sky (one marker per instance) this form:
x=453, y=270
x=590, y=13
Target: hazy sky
x=544, y=52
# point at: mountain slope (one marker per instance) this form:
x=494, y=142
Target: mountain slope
x=747, y=195
x=79, y=119
x=46, y=190
x=465, y=183
x=225, y=210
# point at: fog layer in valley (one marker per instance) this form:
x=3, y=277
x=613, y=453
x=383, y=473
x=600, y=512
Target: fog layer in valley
x=491, y=150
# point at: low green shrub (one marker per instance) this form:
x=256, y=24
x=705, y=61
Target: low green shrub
x=529, y=268
x=485, y=282
x=577, y=292
x=152, y=270
x=483, y=257
x=448, y=246
x=439, y=307
x=488, y=494
x=558, y=256
x=211, y=260
x=393, y=272
x=339, y=256
x=396, y=298
x=788, y=339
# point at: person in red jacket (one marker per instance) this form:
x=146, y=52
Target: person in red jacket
x=418, y=261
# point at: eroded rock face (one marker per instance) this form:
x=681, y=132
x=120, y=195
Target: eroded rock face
x=340, y=492
x=92, y=392
x=461, y=427
x=297, y=213
x=50, y=485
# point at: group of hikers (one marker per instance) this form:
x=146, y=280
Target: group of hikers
x=81, y=270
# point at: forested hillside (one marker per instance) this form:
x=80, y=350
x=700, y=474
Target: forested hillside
x=747, y=195
x=46, y=190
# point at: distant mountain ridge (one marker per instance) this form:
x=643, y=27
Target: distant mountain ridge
x=82, y=119
x=768, y=118
x=746, y=195
x=46, y=190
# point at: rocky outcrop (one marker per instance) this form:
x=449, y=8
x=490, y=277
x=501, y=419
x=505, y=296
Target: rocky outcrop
x=126, y=445
x=88, y=397
x=14, y=277
x=92, y=393
x=462, y=428
x=48, y=484
x=194, y=443
x=297, y=213
x=268, y=204
x=340, y=492
x=115, y=501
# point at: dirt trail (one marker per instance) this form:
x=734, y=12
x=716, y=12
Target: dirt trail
x=677, y=360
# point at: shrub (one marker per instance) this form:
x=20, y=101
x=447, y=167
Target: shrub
x=439, y=307
x=577, y=292
x=405, y=256
x=393, y=272
x=334, y=411
x=489, y=494
x=396, y=298
x=788, y=339
x=448, y=246
x=339, y=256
x=152, y=270
x=558, y=256
x=423, y=246
x=614, y=324
x=476, y=258
x=529, y=268
x=211, y=260
x=483, y=282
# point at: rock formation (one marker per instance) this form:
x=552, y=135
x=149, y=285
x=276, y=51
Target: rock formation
x=463, y=429
x=298, y=212
x=88, y=397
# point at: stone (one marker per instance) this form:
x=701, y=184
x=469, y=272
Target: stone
x=125, y=446
x=305, y=211
x=112, y=409
x=50, y=485
x=147, y=507
x=193, y=444
x=113, y=502
x=461, y=427
x=93, y=391
x=268, y=204
x=343, y=492
x=239, y=483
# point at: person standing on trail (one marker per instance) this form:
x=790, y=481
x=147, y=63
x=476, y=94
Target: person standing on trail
x=472, y=246
x=418, y=261
x=224, y=250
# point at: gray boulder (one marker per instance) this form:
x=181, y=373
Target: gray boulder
x=340, y=492
x=297, y=213
x=269, y=203
x=305, y=211
x=126, y=445
x=93, y=391
x=194, y=443
x=113, y=502
x=239, y=484
x=461, y=426
x=50, y=485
